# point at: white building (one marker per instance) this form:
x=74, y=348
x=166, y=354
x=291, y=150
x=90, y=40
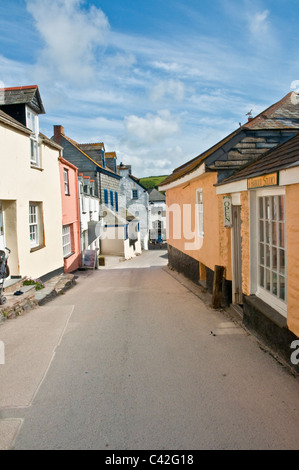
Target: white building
x=134, y=197
x=157, y=216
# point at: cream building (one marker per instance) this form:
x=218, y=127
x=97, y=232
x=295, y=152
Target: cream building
x=30, y=195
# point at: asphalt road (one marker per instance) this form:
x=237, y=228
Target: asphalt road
x=126, y=360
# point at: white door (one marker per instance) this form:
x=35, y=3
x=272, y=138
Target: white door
x=2, y=238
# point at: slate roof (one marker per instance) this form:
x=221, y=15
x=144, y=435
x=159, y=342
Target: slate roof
x=282, y=157
x=282, y=115
x=80, y=146
x=156, y=196
x=22, y=95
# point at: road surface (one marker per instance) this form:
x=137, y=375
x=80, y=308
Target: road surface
x=126, y=360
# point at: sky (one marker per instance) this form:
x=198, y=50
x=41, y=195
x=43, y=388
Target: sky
x=158, y=81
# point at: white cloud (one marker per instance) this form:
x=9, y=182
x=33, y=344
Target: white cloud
x=174, y=89
x=152, y=128
x=71, y=37
x=258, y=23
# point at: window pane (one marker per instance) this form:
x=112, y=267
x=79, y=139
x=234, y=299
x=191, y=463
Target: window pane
x=262, y=234
x=262, y=272
x=282, y=261
x=268, y=279
x=267, y=213
x=281, y=208
x=275, y=208
x=261, y=206
x=267, y=256
x=274, y=233
x=274, y=283
x=282, y=288
x=281, y=236
x=274, y=259
x=267, y=232
x=262, y=254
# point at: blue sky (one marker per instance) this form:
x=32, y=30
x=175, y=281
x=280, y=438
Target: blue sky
x=157, y=81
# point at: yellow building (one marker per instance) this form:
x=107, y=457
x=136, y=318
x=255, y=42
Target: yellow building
x=209, y=225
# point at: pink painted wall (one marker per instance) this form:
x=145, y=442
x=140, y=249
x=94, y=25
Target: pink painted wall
x=71, y=214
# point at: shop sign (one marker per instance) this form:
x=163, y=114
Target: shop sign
x=262, y=181
x=227, y=211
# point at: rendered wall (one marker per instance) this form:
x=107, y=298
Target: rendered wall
x=292, y=226
x=23, y=184
x=182, y=233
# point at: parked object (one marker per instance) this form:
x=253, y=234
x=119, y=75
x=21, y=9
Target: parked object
x=4, y=272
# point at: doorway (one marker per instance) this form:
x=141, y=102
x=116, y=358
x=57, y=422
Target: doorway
x=236, y=257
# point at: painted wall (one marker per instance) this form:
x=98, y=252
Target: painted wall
x=181, y=225
x=138, y=207
x=292, y=226
x=70, y=214
x=21, y=184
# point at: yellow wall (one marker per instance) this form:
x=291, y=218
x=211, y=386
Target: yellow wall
x=215, y=247
x=292, y=223
x=245, y=236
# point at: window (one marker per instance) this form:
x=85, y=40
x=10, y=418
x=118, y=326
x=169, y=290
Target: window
x=106, y=197
x=36, y=231
x=199, y=205
x=272, y=246
x=66, y=240
x=134, y=194
x=111, y=199
x=66, y=182
x=116, y=201
x=32, y=124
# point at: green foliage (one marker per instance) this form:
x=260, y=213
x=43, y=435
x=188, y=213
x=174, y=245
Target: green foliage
x=37, y=282
x=151, y=182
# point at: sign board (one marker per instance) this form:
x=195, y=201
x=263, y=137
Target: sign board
x=227, y=211
x=262, y=181
x=89, y=259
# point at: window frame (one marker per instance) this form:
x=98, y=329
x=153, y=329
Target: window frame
x=66, y=182
x=268, y=295
x=199, y=213
x=32, y=123
x=68, y=243
x=34, y=224
x=136, y=192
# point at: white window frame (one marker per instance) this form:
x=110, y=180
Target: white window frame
x=199, y=213
x=32, y=123
x=66, y=241
x=34, y=224
x=268, y=296
x=136, y=191
x=66, y=182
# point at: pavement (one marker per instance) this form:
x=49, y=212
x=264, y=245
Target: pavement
x=30, y=298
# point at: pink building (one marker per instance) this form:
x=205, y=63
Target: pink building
x=70, y=215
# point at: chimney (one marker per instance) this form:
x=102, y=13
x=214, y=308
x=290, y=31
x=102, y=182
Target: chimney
x=58, y=132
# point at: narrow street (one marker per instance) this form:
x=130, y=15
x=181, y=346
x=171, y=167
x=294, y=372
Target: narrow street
x=126, y=360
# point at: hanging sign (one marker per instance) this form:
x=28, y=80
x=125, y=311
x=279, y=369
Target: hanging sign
x=227, y=211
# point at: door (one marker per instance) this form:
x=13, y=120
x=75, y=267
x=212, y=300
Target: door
x=2, y=237
x=237, y=256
